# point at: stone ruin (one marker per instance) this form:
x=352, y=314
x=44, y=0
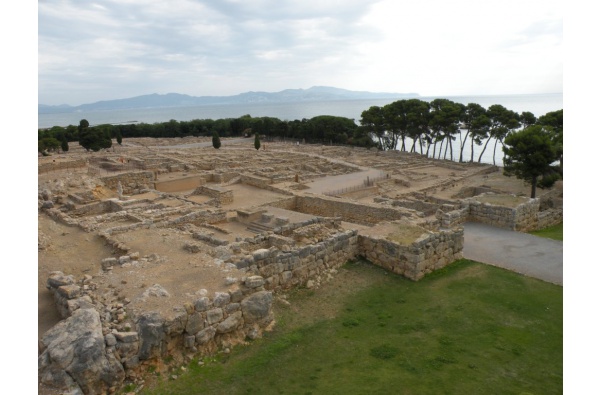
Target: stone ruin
x=237, y=236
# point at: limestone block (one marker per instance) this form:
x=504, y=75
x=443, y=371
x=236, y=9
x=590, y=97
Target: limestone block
x=230, y=323
x=195, y=323
x=254, y=281
x=221, y=299
x=205, y=335
x=213, y=316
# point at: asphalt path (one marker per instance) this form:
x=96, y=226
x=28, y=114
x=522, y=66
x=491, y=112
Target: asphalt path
x=523, y=253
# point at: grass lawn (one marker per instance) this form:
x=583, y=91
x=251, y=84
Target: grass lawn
x=553, y=232
x=467, y=329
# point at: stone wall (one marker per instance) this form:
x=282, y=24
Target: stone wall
x=360, y=213
x=430, y=252
x=180, y=184
x=130, y=181
x=222, y=195
x=297, y=265
x=255, y=181
x=61, y=165
x=84, y=355
x=521, y=218
x=549, y=218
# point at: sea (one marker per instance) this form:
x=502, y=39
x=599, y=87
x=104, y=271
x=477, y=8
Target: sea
x=538, y=104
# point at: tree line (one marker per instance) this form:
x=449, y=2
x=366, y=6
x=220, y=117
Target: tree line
x=531, y=146
x=323, y=129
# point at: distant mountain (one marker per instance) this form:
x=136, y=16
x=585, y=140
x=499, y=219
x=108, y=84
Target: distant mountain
x=316, y=93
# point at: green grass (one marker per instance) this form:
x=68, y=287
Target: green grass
x=467, y=329
x=553, y=232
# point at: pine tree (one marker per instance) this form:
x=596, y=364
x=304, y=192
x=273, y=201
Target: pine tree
x=216, y=140
x=64, y=144
x=256, y=142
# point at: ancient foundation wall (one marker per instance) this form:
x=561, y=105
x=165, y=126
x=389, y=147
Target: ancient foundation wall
x=296, y=266
x=222, y=195
x=549, y=218
x=129, y=181
x=181, y=184
x=522, y=218
x=431, y=252
x=255, y=181
x=61, y=165
x=223, y=177
x=100, y=364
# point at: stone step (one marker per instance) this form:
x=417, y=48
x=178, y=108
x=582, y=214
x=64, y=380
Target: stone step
x=257, y=228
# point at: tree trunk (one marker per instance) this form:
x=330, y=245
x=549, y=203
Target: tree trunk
x=446, y=150
x=403, y=145
x=533, y=186
x=494, y=156
x=462, y=146
x=484, y=147
x=451, y=151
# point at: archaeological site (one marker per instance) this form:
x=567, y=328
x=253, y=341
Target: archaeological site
x=170, y=248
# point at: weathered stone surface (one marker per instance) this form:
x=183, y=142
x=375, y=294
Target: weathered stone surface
x=110, y=340
x=257, y=306
x=127, y=337
x=202, y=304
x=57, y=279
x=230, y=323
x=70, y=291
x=176, y=325
x=254, y=281
x=205, y=335
x=221, y=299
x=156, y=290
x=75, y=347
x=195, y=323
x=213, y=316
x=151, y=333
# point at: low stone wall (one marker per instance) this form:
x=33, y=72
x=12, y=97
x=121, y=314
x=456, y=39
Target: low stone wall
x=549, y=218
x=61, y=165
x=430, y=252
x=359, y=213
x=298, y=265
x=360, y=193
x=223, y=196
x=255, y=181
x=521, y=218
x=180, y=184
x=130, y=181
x=84, y=355
x=223, y=177
x=453, y=218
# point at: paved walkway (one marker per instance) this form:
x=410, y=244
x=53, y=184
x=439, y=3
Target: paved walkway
x=519, y=252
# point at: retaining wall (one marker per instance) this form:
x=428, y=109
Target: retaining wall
x=181, y=184
x=430, y=252
x=359, y=213
x=99, y=366
x=61, y=165
x=130, y=181
x=297, y=265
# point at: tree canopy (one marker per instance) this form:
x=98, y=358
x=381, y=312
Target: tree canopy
x=529, y=155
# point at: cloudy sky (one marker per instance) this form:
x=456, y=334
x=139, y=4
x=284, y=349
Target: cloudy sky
x=101, y=50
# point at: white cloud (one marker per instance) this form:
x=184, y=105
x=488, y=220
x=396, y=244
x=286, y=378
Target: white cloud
x=227, y=47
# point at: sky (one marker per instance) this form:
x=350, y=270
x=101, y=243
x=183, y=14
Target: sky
x=102, y=50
